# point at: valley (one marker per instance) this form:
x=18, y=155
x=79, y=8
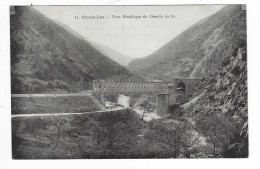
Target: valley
x=197, y=51
x=73, y=98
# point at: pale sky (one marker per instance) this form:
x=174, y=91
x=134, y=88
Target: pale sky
x=132, y=37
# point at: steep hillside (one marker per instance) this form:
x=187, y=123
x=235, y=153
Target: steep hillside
x=220, y=108
x=111, y=53
x=198, y=50
x=45, y=57
x=49, y=104
x=99, y=135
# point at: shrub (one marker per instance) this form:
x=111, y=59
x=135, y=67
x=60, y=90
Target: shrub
x=236, y=70
x=225, y=62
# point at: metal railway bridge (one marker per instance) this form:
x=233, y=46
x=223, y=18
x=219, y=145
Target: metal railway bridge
x=168, y=93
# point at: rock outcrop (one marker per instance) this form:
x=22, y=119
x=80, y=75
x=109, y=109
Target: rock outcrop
x=222, y=106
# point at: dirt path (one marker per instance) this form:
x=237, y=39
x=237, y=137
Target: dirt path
x=51, y=95
x=65, y=114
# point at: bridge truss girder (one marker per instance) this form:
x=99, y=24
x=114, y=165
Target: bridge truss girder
x=129, y=88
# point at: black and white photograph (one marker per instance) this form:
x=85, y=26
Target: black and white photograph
x=129, y=81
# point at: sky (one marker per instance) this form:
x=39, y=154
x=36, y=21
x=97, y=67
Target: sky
x=134, y=37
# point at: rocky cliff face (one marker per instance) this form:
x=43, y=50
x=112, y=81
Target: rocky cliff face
x=220, y=106
x=45, y=57
x=198, y=50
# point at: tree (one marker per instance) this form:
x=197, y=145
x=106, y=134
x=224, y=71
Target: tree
x=175, y=135
x=217, y=128
x=58, y=122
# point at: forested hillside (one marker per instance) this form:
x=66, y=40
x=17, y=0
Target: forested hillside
x=45, y=57
x=97, y=135
x=197, y=51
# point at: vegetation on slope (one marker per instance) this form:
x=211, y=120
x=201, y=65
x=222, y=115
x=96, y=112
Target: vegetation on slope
x=43, y=105
x=99, y=135
x=220, y=109
x=45, y=57
x=107, y=51
x=197, y=51
x=117, y=134
x=214, y=123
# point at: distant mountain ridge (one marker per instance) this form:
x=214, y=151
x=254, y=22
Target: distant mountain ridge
x=197, y=51
x=107, y=51
x=45, y=57
x=113, y=54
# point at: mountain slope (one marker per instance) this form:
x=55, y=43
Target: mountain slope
x=198, y=50
x=45, y=57
x=220, y=109
x=107, y=51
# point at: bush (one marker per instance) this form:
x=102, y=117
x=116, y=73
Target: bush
x=211, y=97
x=236, y=70
x=244, y=57
x=225, y=62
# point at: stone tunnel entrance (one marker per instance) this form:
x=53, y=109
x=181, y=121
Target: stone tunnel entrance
x=181, y=87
